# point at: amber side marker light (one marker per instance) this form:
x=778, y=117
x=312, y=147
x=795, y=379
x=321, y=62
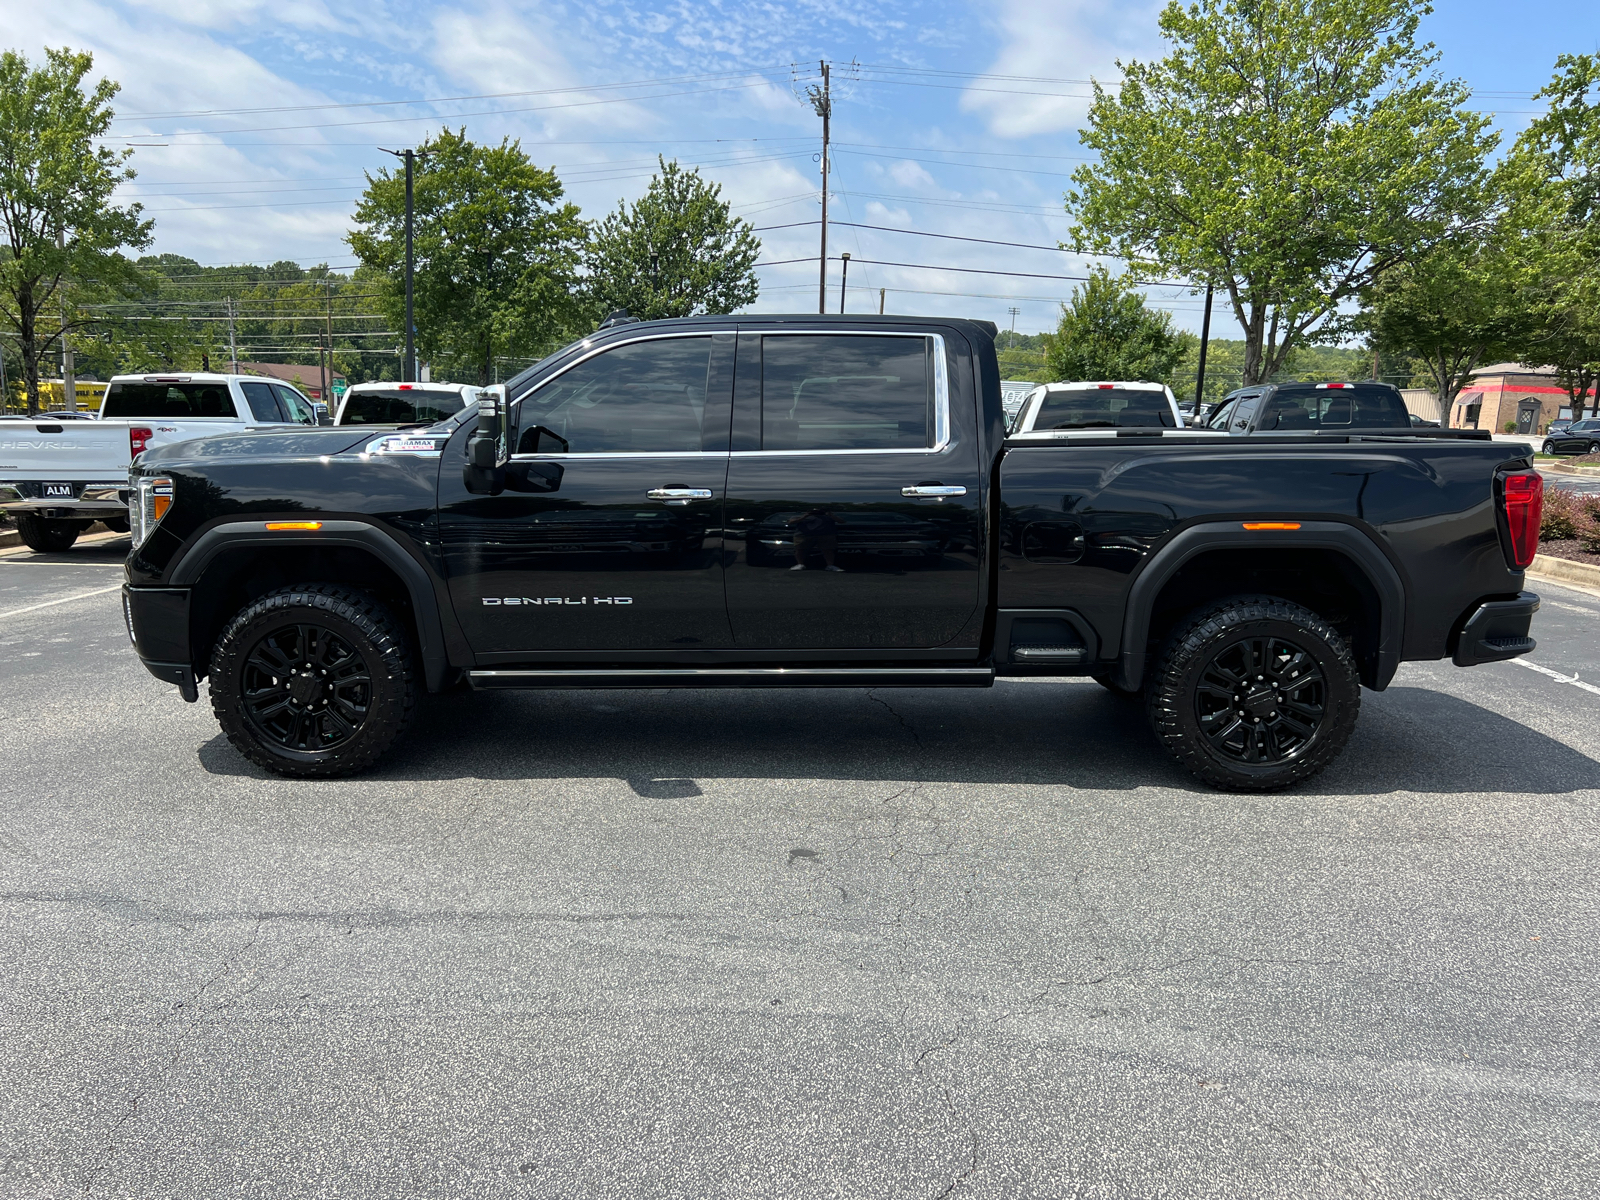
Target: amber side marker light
x=1252, y=526
x=285, y=526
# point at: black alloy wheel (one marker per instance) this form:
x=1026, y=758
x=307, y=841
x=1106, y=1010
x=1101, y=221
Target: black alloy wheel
x=1549, y=447
x=313, y=681
x=1254, y=693
x=1594, y=448
x=1260, y=701
x=306, y=688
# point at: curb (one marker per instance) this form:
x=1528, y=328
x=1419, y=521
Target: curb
x=1565, y=570
x=1565, y=469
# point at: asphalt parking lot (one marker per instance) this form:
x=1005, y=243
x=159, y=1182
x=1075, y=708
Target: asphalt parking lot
x=829, y=943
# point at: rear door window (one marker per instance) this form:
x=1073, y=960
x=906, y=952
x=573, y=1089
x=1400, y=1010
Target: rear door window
x=177, y=400
x=846, y=392
x=1104, y=408
x=263, y=403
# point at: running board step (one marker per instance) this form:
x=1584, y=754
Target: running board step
x=1050, y=654
x=739, y=677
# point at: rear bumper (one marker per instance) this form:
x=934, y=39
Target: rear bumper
x=93, y=501
x=158, y=625
x=1496, y=630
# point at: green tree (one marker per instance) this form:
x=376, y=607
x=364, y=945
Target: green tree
x=1107, y=332
x=63, y=235
x=1555, y=168
x=675, y=252
x=496, y=254
x=1291, y=151
x=1454, y=307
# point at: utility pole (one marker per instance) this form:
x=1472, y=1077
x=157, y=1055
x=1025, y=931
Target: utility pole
x=328, y=392
x=1205, y=338
x=233, y=347
x=843, y=279
x=822, y=101
x=881, y=292
x=1014, y=311
x=408, y=372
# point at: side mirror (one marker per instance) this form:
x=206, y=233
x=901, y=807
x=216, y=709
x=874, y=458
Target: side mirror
x=484, y=474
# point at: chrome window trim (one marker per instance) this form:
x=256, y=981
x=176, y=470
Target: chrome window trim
x=619, y=454
x=941, y=392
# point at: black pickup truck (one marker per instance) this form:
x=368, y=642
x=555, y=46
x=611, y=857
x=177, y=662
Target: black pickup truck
x=764, y=501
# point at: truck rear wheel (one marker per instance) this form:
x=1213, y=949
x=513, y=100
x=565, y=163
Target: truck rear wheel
x=1254, y=693
x=48, y=536
x=313, y=681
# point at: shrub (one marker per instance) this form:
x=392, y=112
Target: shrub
x=1509, y=427
x=1588, y=531
x=1562, y=514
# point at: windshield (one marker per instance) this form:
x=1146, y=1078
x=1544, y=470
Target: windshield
x=1355, y=405
x=400, y=406
x=1104, y=408
x=168, y=400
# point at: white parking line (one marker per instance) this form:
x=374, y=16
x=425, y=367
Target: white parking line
x=1557, y=675
x=16, y=612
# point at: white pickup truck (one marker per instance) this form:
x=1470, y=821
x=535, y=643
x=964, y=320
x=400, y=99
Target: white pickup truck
x=59, y=477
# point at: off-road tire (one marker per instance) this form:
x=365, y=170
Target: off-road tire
x=321, y=619
x=48, y=536
x=1187, y=712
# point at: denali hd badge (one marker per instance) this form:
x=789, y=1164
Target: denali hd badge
x=558, y=600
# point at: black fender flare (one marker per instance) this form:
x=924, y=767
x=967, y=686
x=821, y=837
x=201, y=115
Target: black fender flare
x=357, y=534
x=1231, y=535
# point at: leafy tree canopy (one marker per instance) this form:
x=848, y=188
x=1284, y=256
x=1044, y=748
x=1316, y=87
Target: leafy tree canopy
x=496, y=253
x=676, y=252
x=63, y=235
x=1107, y=332
x=1292, y=151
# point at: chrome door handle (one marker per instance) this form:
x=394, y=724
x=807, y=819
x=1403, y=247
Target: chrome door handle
x=679, y=495
x=932, y=489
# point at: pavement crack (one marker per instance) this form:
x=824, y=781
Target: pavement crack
x=904, y=724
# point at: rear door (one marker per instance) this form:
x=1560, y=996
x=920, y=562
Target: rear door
x=608, y=537
x=854, y=492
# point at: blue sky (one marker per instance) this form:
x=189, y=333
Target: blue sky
x=258, y=119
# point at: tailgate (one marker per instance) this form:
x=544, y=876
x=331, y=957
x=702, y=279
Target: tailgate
x=80, y=451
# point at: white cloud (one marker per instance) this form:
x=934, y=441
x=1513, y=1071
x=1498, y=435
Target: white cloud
x=910, y=174
x=1059, y=40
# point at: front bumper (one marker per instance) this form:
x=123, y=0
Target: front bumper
x=1496, y=630
x=158, y=626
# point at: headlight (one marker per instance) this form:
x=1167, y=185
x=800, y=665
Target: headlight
x=150, y=499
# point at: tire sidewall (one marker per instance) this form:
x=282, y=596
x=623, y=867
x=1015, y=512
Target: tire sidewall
x=386, y=663
x=1174, y=713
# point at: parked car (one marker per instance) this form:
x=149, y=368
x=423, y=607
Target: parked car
x=380, y=403
x=1422, y=422
x=1560, y=425
x=1249, y=587
x=1580, y=437
x=59, y=478
x=1079, y=408
x=1331, y=407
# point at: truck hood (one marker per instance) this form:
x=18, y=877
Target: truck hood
x=262, y=443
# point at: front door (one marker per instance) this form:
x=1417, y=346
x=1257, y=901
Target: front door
x=1528, y=416
x=608, y=537
x=854, y=495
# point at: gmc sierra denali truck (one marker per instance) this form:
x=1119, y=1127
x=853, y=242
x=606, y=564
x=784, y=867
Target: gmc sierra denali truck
x=769, y=501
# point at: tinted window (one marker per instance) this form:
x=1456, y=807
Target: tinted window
x=295, y=406
x=845, y=392
x=1308, y=407
x=1104, y=408
x=644, y=397
x=168, y=400
x=392, y=406
x=1220, y=418
x=263, y=404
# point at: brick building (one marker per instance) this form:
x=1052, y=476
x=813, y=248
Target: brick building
x=1529, y=397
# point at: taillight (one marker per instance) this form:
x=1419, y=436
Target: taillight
x=1523, y=496
x=138, y=439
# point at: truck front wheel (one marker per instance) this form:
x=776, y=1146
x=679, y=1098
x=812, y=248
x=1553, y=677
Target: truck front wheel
x=313, y=681
x=48, y=536
x=1254, y=693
